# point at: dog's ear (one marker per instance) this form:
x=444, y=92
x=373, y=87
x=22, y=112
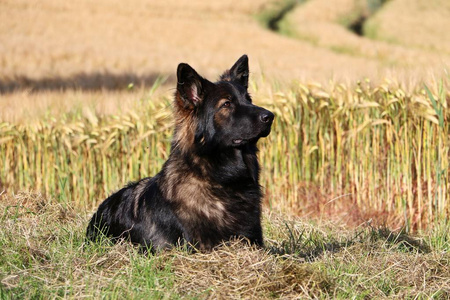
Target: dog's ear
x=238, y=72
x=190, y=86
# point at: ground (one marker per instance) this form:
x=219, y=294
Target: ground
x=43, y=254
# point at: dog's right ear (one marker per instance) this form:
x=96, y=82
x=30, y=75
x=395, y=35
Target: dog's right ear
x=238, y=72
x=190, y=86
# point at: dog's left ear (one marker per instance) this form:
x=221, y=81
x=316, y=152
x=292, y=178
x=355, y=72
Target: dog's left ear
x=190, y=85
x=238, y=72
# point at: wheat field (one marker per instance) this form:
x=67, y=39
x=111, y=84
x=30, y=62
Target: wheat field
x=353, y=152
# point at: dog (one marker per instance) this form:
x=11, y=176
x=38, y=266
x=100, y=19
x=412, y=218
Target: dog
x=208, y=190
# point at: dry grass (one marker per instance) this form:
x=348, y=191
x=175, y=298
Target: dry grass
x=43, y=255
x=239, y=272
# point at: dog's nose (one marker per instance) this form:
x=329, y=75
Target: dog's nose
x=266, y=117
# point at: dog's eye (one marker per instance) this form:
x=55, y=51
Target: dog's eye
x=226, y=104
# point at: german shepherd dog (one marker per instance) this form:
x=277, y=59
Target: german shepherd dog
x=207, y=191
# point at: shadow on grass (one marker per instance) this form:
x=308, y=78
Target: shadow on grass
x=83, y=82
x=311, y=246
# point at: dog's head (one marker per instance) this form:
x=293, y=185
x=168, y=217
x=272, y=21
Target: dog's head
x=220, y=114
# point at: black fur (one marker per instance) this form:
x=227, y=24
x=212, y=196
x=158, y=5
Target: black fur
x=207, y=191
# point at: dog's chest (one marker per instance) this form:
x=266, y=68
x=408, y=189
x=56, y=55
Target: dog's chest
x=199, y=201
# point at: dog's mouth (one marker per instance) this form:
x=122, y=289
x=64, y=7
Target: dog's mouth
x=238, y=142
x=242, y=141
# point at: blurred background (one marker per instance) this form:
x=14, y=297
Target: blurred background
x=97, y=51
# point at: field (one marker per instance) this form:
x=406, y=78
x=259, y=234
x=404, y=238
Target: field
x=355, y=172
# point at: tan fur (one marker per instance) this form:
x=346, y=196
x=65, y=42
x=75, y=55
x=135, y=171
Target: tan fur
x=195, y=195
x=221, y=117
x=184, y=124
x=192, y=195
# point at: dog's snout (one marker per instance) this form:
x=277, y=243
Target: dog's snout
x=266, y=117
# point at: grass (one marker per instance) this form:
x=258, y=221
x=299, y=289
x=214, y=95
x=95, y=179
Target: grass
x=49, y=259
x=44, y=255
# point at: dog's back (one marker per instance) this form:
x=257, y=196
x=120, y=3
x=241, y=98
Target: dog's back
x=208, y=189
x=137, y=212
